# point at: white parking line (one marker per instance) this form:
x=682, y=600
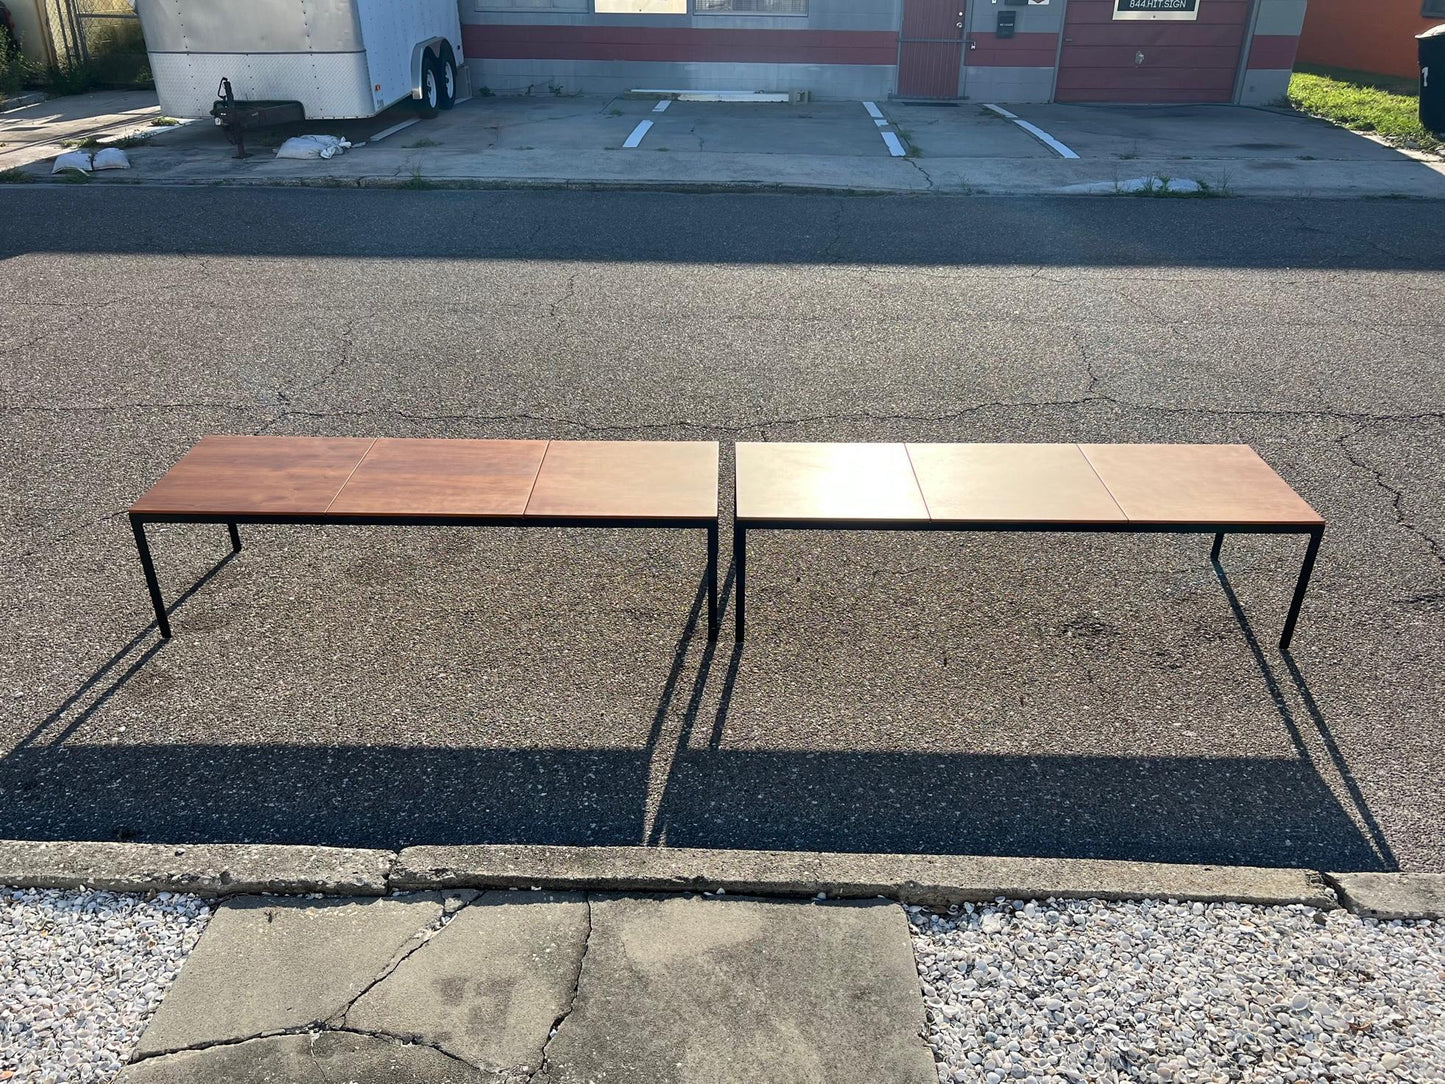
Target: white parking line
x=394, y=129
x=1035, y=131
x=661, y=107
x=895, y=147
x=873, y=110
x=637, y=133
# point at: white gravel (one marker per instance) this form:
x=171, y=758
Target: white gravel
x=80, y=974
x=1180, y=992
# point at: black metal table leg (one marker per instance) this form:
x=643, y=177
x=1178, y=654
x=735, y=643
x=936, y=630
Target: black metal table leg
x=1218, y=542
x=235, y=538
x=712, y=581
x=740, y=577
x=1299, y=591
x=143, y=548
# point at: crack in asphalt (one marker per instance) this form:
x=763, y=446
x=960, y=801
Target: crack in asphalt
x=1396, y=494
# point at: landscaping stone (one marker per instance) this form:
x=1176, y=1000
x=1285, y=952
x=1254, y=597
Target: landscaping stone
x=313, y=1058
x=680, y=990
x=267, y=965
x=1392, y=895
x=489, y=985
x=197, y=869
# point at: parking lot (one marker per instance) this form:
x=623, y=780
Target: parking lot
x=969, y=147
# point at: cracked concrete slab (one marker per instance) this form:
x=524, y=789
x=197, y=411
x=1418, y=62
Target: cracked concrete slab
x=1389, y=896
x=489, y=985
x=271, y=964
x=309, y=1058
x=686, y=990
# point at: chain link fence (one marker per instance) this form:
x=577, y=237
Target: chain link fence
x=102, y=38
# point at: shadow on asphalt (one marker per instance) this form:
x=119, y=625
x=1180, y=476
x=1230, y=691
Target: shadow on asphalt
x=1256, y=811
x=723, y=228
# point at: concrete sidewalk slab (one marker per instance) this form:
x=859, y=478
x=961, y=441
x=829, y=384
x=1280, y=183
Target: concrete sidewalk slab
x=691, y=990
x=489, y=985
x=324, y=1057
x=533, y=986
x=35, y=133
x=266, y=965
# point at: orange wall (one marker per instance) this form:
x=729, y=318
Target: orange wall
x=1374, y=37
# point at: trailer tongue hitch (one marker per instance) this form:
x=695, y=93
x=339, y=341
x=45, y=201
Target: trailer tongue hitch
x=235, y=117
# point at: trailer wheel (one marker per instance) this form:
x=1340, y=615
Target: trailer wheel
x=446, y=79
x=430, y=87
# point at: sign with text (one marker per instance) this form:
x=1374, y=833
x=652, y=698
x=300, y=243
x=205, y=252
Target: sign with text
x=1186, y=10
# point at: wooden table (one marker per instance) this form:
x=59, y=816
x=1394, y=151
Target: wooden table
x=423, y=482
x=1206, y=488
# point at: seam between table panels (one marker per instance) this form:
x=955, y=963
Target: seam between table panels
x=1095, y=471
x=922, y=496
x=337, y=495
x=527, y=506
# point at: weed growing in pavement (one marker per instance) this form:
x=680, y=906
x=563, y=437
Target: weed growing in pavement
x=416, y=182
x=16, y=175
x=423, y=142
x=164, y=122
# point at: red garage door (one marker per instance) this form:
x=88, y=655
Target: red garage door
x=1117, y=60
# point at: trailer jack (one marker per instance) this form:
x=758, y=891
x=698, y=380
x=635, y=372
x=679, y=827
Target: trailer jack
x=235, y=117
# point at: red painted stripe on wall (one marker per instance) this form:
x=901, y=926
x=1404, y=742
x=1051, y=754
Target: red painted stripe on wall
x=1273, y=51
x=679, y=44
x=1019, y=51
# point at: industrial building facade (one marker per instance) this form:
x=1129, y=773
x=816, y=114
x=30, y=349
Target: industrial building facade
x=1141, y=51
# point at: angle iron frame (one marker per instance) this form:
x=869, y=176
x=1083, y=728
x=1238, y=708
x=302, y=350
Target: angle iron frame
x=138, y=521
x=742, y=527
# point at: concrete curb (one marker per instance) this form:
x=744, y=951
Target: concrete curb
x=20, y=101
x=1391, y=895
x=227, y=869
x=207, y=869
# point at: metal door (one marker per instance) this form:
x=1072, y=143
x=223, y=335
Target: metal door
x=1109, y=58
x=930, y=49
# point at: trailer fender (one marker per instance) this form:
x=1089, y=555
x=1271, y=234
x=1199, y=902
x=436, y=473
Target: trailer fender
x=419, y=52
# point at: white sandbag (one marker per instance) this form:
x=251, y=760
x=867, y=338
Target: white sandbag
x=109, y=158
x=79, y=161
x=313, y=146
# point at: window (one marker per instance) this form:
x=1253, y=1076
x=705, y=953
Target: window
x=533, y=5
x=640, y=7
x=754, y=7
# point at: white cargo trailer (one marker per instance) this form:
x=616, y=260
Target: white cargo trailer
x=335, y=59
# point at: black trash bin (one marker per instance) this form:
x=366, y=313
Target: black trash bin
x=1432, y=78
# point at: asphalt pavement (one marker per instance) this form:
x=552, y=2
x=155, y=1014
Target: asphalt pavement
x=1086, y=696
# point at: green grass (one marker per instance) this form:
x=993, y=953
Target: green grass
x=1383, y=104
